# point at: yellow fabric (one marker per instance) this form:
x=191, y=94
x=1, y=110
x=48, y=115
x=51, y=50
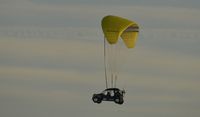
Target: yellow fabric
x=129, y=39
x=114, y=27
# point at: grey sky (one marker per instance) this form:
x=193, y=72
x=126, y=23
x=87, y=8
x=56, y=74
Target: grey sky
x=51, y=58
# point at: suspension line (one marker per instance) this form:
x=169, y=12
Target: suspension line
x=105, y=66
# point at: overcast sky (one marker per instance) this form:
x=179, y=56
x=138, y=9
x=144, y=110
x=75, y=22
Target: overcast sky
x=51, y=58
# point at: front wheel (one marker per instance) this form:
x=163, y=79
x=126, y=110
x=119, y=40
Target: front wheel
x=119, y=100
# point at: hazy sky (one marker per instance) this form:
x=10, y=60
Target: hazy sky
x=51, y=58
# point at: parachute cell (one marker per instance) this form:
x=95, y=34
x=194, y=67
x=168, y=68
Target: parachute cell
x=115, y=27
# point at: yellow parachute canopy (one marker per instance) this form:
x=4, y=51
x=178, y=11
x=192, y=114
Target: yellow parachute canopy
x=115, y=27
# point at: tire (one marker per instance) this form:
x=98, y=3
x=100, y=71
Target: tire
x=119, y=100
x=99, y=101
x=96, y=100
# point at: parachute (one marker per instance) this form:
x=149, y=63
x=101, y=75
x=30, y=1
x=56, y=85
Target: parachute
x=115, y=28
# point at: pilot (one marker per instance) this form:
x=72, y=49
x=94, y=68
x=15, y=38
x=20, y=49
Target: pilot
x=117, y=93
x=108, y=94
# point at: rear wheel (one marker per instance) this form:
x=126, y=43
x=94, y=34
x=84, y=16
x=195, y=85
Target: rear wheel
x=96, y=99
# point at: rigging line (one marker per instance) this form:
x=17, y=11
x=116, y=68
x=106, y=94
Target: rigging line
x=105, y=63
x=112, y=80
x=114, y=64
x=114, y=57
x=117, y=54
x=115, y=81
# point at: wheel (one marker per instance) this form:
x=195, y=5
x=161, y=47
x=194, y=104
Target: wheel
x=99, y=101
x=96, y=100
x=119, y=100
